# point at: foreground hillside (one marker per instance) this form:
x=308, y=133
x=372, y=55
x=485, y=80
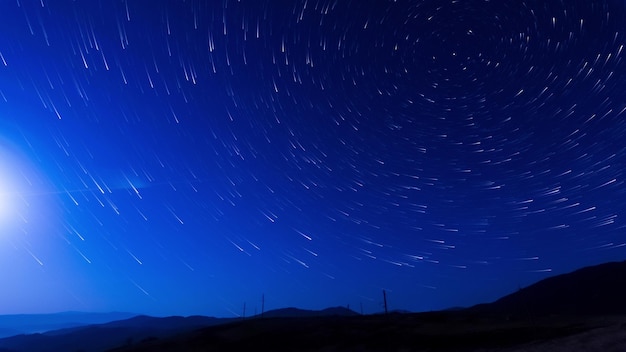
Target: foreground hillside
x=593, y=290
x=580, y=311
x=441, y=331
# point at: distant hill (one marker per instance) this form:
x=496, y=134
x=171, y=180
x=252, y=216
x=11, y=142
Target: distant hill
x=594, y=290
x=303, y=313
x=32, y=323
x=101, y=337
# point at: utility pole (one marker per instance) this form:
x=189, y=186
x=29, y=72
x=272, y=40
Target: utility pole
x=244, y=310
x=262, y=305
x=385, y=300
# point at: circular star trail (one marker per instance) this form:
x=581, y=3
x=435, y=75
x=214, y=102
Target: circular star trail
x=178, y=157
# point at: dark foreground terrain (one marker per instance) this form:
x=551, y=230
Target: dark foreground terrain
x=440, y=331
x=584, y=310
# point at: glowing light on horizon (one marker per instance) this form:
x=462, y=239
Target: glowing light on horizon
x=22, y=197
x=8, y=190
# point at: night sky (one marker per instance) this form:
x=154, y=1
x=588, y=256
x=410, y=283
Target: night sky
x=187, y=157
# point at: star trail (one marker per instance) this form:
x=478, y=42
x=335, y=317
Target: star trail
x=187, y=157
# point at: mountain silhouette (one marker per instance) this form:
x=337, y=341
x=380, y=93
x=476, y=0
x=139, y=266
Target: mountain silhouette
x=594, y=290
x=15, y=324
x=578, y=307
x=101, y=337
x=588, y=302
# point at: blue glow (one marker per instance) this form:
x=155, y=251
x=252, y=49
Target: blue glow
x=177, y=157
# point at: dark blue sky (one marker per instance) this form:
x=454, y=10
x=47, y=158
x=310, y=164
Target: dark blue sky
x=185, y=157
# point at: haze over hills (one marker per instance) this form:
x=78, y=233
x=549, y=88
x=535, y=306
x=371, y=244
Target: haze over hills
x=14, y=324
x=100, y=337
x=562, y=306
